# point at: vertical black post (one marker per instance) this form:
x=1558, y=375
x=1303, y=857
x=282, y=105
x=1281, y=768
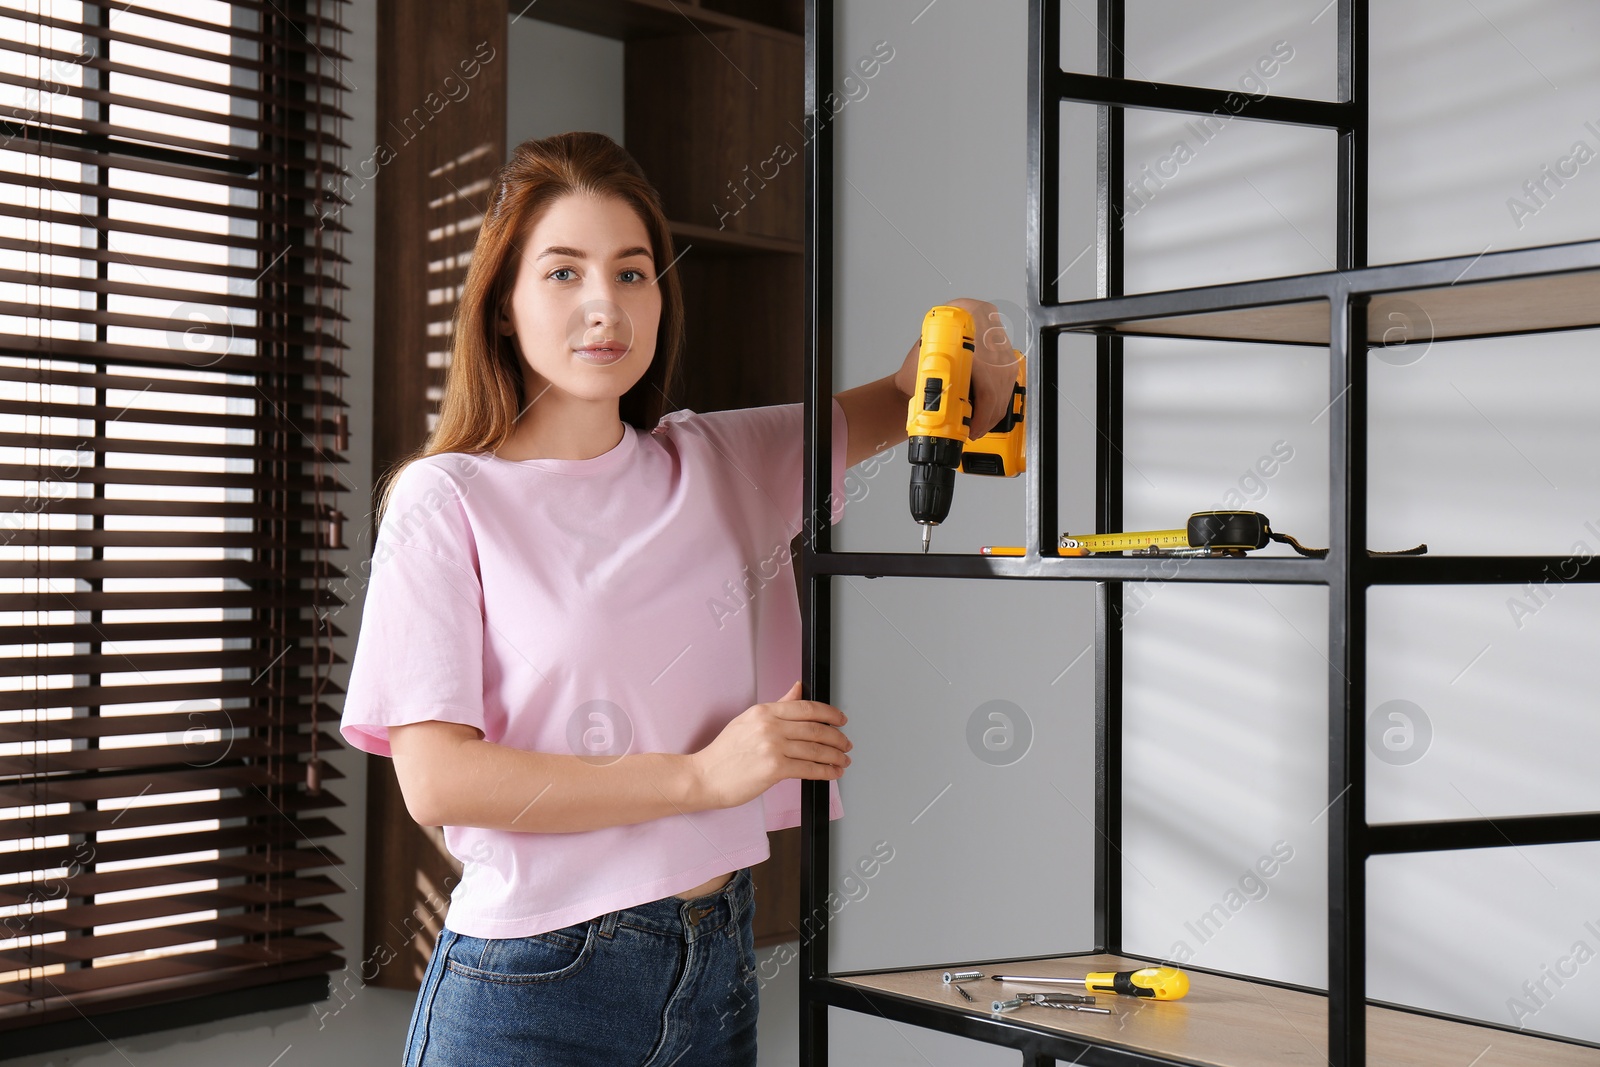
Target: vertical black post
x=1347, y=594
x=816, y=602
x=1351, y=224
x=1043, y=238
x=1347, y=660
x=1112, y=20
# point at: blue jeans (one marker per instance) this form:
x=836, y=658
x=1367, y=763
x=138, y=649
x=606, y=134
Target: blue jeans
x=671, y=982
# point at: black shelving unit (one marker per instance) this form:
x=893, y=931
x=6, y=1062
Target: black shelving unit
x=1521, y=291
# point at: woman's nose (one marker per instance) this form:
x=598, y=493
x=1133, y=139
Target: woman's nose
x=601, y=311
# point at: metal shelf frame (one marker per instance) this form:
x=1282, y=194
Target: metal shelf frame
x=1347, y=571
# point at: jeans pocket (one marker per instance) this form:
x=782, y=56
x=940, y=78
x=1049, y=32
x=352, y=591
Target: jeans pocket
x=546, y=957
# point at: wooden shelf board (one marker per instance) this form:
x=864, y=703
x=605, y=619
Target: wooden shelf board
x=1512, y=305
x=629, y=20
x=1485, y=309
x=1230, y=1022
x=1293, y=324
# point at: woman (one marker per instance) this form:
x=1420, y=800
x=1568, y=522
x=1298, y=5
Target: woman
x=574, y=602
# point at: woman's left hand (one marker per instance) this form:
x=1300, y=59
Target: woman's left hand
x=994, y=365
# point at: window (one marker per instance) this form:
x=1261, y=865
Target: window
x=171, y=431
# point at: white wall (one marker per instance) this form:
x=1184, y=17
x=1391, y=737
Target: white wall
x=1476, y=447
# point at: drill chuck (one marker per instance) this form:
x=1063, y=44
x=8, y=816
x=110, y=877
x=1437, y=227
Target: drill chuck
x=933, y=477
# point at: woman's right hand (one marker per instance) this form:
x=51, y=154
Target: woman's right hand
x=766, y=743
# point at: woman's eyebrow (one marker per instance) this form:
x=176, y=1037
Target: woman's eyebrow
x=578, y=253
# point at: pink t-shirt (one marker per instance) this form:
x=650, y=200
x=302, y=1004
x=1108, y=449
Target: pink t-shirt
x=636, y=601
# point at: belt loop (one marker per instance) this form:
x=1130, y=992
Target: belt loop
x=743, y=892
x=608, y=923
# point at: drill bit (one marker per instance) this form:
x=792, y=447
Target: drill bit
x=927, y=532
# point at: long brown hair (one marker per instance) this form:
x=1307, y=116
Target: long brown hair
x=483, y=391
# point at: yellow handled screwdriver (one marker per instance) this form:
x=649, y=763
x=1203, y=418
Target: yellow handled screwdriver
x=1152, y=983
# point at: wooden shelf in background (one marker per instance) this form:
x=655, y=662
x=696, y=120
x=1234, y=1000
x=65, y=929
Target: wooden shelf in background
x=709, y=122
x=713, y=239
x=633, y=20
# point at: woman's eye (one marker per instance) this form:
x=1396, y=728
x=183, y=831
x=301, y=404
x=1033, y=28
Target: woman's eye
x=555, y=274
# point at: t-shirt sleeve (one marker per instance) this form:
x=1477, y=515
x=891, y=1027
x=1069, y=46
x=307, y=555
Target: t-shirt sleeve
x=766, y=445
x=419, y=653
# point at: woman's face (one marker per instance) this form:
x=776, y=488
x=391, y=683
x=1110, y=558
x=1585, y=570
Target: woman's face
x=585, y=282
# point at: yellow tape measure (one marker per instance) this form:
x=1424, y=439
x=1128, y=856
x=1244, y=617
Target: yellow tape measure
x=1230, y=531
x=1127, y=542
x=1218, y=533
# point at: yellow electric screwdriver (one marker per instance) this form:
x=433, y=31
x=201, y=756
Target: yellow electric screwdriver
x=939, y=419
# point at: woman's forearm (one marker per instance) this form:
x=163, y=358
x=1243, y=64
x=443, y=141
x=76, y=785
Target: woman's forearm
x=451, y=777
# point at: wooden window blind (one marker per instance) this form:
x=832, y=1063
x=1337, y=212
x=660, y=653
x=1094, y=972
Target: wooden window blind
x=171, y=435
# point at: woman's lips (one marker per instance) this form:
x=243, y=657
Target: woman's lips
x=601, y=354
